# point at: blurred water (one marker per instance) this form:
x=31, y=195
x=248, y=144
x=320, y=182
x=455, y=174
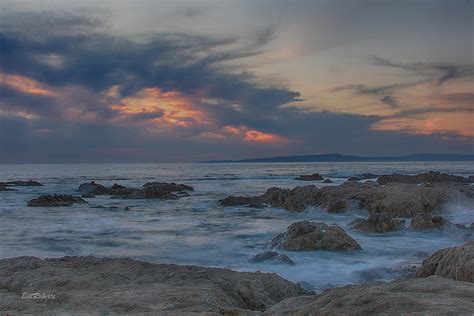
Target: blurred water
x=196, y=230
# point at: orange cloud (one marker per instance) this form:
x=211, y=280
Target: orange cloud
x=176, y=109
x=252, y=135
x=24, y=84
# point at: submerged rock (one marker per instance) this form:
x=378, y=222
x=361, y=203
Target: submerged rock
x=310, y=177
x=327, y=181
x=428, y=177
x=271, y=256
x=364, y=176
x=430, y=296
x=55, y=200
x=92, y=189
x=306, y=235
x=456, y=263
x=423, y=221
x=5, y=188
x=29, y=183
x=378, y=223
x=100, y=285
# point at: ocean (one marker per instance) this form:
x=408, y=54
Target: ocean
x=195, y=230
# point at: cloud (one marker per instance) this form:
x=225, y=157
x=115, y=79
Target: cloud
x=77, y=93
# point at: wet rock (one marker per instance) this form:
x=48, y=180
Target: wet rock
x=127, y=208
x=89, y=285
x=364, y=176
x=397, y=199
x=55, y=200
x=150, y=190
x=456, y=263
x=428, y=177
x=29, y=183
x=310, y=177
x=92, y=189
x=378, y=223
x=306, y=235
x=327, y=181
x=429, y=296
x=423, y=221
x=271, y=256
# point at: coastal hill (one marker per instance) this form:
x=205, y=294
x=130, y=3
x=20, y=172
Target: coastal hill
x=353, y=158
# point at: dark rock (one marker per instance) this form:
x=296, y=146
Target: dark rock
x=55, y=200
x=377, y=223
x=127, y=208
x=237, y=200
x=310, y=177
x=271, y=256
x=29, y=183
x=92, y=189
x=306, y=235
x=327, y=181
x=5, y=188
x=170, y=187
x=336, y=206
x=428, y=177
x=456, y=263
x=423, y=221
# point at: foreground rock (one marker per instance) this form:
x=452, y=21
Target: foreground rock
x=430, y=296
x=396, y=199
x=310, y=177
x=422, y=221
x=271, y=256
x=428, y=177
x=151, y=190
x=306, y=235
x=456, y=263
x=378, y=223
x=95, y=285
x=55, y=200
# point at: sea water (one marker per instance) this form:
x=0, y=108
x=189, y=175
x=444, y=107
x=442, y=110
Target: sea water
x=195, y=230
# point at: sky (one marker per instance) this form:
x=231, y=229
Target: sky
x=187, y=81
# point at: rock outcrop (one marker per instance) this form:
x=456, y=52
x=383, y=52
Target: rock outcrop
x=422, y=221
x=428, y=177
x=378, y=223
x=29, y=183
x=310, y=177
x=55, y=200
x=150, y=190
x=306, y=235
x=364, y=176
x=271, y=256
x=429, y=296
x=99, y=285
x=456, y=263
x=397, y=199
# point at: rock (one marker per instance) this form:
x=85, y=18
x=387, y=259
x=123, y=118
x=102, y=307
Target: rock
x=55, y=200
x=89, y=285
x=377, y=223
x=430, y=296
x=327, y=181
x=92, y=189
x=306, y=235
x=423, y=221
x=271, y=256
x=29, y=183
x=397, y=199
x=428, y=177
x=127, y=208
x=310, y=177
x=364, y=176
x=150, y=190
x=456, y=263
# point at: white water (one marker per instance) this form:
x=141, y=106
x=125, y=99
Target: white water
x=196, y=230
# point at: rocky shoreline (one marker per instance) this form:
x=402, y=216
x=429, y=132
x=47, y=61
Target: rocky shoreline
x=442, y=285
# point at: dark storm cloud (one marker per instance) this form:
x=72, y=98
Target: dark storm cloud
x=88, y=61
